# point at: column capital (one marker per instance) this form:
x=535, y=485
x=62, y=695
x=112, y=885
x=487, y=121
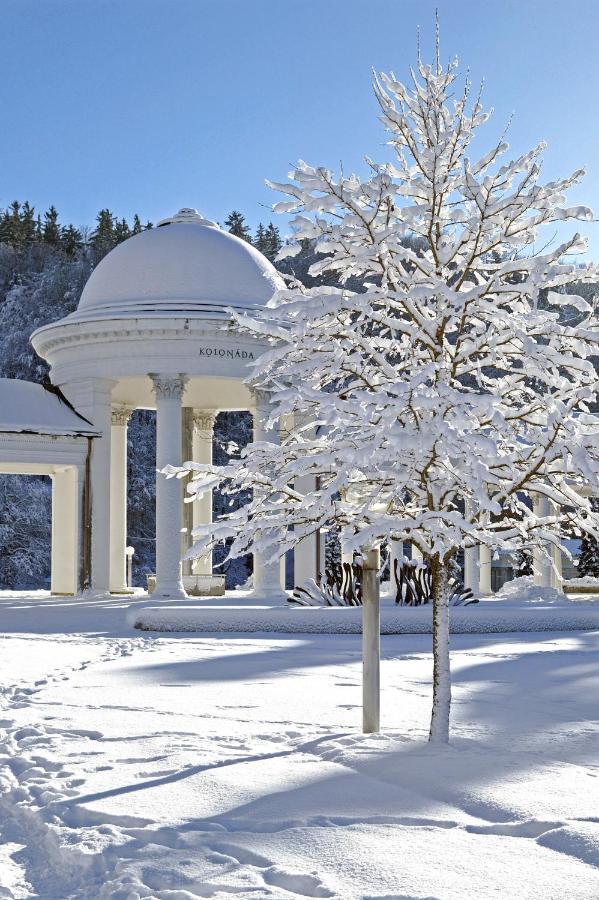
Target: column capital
x=121, y=415
x=260, y=398
x=168, y=386
x=203, y=423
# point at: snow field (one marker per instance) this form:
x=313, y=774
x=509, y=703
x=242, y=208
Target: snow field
x=182, y=767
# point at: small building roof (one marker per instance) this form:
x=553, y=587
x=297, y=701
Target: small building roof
x=29, y=407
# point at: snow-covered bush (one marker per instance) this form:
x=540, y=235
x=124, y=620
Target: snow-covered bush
x=414, y=585
x=340, y=586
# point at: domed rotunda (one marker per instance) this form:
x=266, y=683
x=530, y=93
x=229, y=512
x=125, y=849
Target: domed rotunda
x=152, y=330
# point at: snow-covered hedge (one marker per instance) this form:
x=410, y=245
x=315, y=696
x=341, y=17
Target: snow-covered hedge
x=344, y=620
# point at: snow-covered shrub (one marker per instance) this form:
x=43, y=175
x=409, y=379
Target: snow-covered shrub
x=341, y=586
x=414, y=585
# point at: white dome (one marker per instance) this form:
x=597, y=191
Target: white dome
x=185, y=267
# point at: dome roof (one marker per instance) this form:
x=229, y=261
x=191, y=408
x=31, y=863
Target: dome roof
x=185, y=267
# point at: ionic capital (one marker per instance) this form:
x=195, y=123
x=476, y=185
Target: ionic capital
x=168, y=386
x=203, y=423
x=121, y=415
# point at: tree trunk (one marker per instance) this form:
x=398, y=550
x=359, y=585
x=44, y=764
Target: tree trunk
x=439, y=730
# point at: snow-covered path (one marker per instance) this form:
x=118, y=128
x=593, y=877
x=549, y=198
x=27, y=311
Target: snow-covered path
x=217, y=766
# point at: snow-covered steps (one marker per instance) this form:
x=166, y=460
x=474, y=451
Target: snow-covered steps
x=477, y=619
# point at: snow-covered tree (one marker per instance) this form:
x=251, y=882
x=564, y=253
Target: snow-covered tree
x=430, y=401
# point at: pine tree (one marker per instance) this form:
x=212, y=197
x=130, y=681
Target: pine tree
x=273, y=242
x=102, y=237
x=18, y=226
x=235, y=223
x=51, y=230
x=121, y=231
x=71, y=239
x=136, y=225
x=260, y=239
x=588, y=564
x=28, y=224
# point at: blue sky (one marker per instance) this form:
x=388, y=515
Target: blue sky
x=149, y=105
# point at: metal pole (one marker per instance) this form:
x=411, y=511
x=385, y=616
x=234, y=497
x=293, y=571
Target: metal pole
x=371, y=642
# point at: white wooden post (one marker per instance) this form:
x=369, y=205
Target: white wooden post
x=371, y=642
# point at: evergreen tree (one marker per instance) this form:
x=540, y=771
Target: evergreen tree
x=588, y=564
x=18, y=225
x=273, y=242
x=70, y=239
x=136, y=225
x=51, y=231
x=102, y=237
x=28, y=224
x=260, y=239
x=235, y=223
x=121, y=231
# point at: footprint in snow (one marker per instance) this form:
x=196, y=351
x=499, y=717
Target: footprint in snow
x=293, y=882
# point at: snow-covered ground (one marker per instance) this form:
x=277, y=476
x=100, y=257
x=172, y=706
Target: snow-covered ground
x=182, y=766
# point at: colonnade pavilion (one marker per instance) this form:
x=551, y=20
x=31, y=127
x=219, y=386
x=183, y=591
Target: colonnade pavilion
x=151, y=331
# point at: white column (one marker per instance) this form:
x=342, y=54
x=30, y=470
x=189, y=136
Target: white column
x=471, y=558
x=485, y=562
x=66, y=489
x=92, y=399
x=347, y=554
x=267, y=574
x=169, y=391
x=556, y=557
x=118, y=499
x=395, y=549
x=541, y=557
x=203, y=436
x=471, y=568
x=100, y=487
x=186, y=508
x=417, y=554
x=371, y=642
x=305, y=552
x=321, y=536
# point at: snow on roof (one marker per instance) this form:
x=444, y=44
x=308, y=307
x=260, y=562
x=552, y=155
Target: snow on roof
x=28, y=407
x=185, y=267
